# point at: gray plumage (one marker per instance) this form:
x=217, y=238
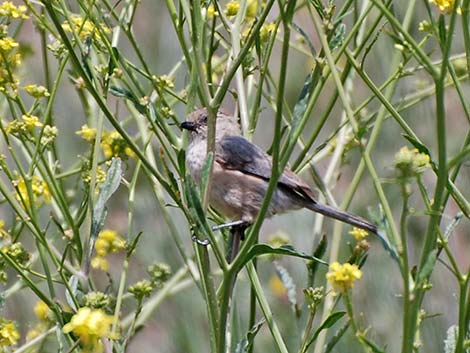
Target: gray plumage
x=242, y=172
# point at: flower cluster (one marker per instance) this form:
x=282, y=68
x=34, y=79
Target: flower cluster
x=445, y=6
x=163, y=82
x=358, y=233
x=108, y=241
x=411, y=162
x=86, y=29
x=90, y=325
x=112, y=143
x=100, y=177
x=16, y=252
x=87, y=133
x=266, y=31
x=25, y=126
x=11, y=11
x=49, y=134
x=159, y=273
x=313, y=296
x=13, y=249
x=37, y=91
x=232, y=8
x=39, y=188
x=9, y=334
x=97, y=300
x=141, y=289
x=45, y=320
x=342, y=277
x=3, y=231
x=10, y=59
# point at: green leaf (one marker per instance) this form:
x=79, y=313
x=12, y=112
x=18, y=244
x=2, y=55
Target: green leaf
x=372, y=345
x=124, y=93
x=288, y=282
x=450, y=228
x=425, y=272
x=301, y=105
x=329, y=322
x=113, y=179
x=306, y=37
x=133, y=244
x=338, y=37
x=312, y=266
x=332, y=342
x=421, y=148
x=379, y=219
x=262, y=249
x=244, y=345
x=73, y=285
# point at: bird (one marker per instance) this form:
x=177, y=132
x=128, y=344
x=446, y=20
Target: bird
x=241, y=175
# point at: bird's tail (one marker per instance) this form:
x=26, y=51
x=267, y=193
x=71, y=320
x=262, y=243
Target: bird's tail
x=342, y=216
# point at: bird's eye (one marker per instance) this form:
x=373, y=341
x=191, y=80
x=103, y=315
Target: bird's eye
x=204, y=120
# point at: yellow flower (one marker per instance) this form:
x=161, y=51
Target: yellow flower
x=425, y=26
x=266, y=31
x=342, y=277
x=37, y=91
x=85, y=28
x=114, y=145
x=87, y=133
x=445, y=6
x=8, y=9
x=100, y=263
x=17, y=252
x=7, y=44
x=42, y=311
x=211, y=12
x=358, y=233
x=108, y=241
x=163, y=81
x=3, y=232
x=48, y=134
x=252, y=9
x=232, y=8
x=39, y=189
x=90, y=325
x=141, y=289
x=9, y=335
x=31, y=121
x=411, y=162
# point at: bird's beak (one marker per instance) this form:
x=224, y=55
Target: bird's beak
x=188, y=125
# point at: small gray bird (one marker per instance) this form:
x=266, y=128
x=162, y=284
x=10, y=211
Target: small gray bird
x=242, y=172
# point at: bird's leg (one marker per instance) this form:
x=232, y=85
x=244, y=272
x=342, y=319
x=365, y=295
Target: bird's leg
x=237, y=234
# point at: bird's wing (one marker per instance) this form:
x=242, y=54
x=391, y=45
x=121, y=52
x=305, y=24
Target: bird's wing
x=237, y=153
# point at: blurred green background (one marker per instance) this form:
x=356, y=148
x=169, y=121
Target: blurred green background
x=180, y=323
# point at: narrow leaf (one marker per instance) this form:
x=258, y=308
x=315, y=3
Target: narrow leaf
x=262, y=249
x=372, y=345
x=329, y=322
x=425, y=272
x=73, y=285
x=244, y=345
x=113, y=179
x=306, y=37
